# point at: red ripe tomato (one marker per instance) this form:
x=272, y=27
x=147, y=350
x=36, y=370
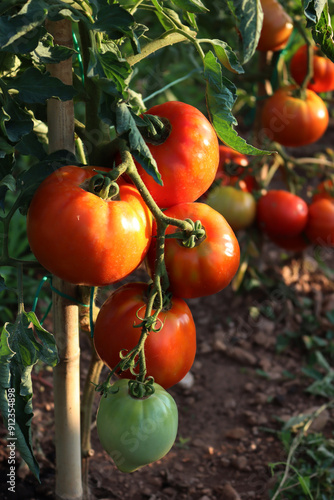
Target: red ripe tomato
x=187, y=160
x=320, y=225
x=324, y=190
x=292, y=121
x=296, y=243
x=208, y=267
x=277, y=26
x=237, y=206
x=169, y=352
x=281, y=213
x=323, y=70
x=82, y=238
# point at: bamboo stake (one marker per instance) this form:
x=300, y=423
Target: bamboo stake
x=66, y=316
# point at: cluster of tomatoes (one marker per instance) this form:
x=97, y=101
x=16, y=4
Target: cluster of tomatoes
x=284, y=217
x=291, y=117
x=87, y=236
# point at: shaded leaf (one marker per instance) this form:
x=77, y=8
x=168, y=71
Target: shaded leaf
x=226, y=56
x=36, y=87
x=20, y=348
x=47, y=53
x=15, y=122
x=114, y=21
x=195, y=6
x=313, y=10
x=249, y=16
x=20, y=33
x=31, y=146
x=220, y=98
x=322, y=33
x=29, y=180
x=126, y=129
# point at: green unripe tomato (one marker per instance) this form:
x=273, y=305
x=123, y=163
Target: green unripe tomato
x=238, y=207
x=133, y=431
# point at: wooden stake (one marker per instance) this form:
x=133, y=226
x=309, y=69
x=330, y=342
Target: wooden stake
x=66, y=314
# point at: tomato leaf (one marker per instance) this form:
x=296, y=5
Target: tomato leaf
x=313, y=10
x=195, y=6
x=226, y=56
x=126, y=128
x=113, y=20
x=20, y=33
x=22, y=344
x=322, y=31
x=9, y=182
x=110, y=71
x=47, y=53
x=29, y=180
x=36, y=87
x=220, y=98
x=15, y=121
x=249, y=15
x=31, y=146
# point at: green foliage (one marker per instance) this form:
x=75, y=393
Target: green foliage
x=308, y=471
x=118, y=45
x=22, y=345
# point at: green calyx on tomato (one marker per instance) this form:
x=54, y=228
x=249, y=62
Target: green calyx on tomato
x=170, y=347
x=206, y=268
x=187, y=160
x=80, y=237
x=136, y=431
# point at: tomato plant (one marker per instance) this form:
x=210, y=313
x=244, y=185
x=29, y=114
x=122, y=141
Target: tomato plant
x=187, y=160
x=237, y=206
x=79, y=236
x=323, y=70
x=281, y=213
x=293, y=121
x=136, y=431
x=277, y=26
x=320, y=224
x=170, y=347
x=232, y=165
x=324, y=190
x=210, y=265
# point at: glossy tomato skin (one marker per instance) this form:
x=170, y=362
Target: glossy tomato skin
x=323, y=70
x=207, y=268
x=281, y=213
x=292, y=121
x=237, y=206
x=277, y=26
x=169, y=353
x=324, y=190
x=187, y=160
x=320, y=225
x=82, y=238
x=136, y=432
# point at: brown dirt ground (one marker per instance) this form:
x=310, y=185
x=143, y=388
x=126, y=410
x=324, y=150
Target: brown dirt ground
x=223, y=446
